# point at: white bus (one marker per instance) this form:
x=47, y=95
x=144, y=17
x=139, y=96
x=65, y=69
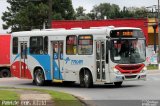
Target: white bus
x=98, y=55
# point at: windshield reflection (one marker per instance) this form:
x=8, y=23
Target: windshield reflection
x=126, y=51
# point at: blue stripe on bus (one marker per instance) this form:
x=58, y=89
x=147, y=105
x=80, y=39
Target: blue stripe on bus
x=44, y=61
x=18, y=55
x=57, y=73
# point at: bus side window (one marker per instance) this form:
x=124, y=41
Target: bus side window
x=71, y=45
x=15, y=45
x=107, y=50
x=36, y=45
x=85, y=44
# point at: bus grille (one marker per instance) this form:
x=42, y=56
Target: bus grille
x=130, y=69
x=131, y=76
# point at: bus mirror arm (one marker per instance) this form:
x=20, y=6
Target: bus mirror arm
x=108, y=45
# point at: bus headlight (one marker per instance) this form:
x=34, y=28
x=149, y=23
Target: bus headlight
x=143, y=69
x=116, y=71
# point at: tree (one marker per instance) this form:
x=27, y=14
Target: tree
x=126, y=13
x=139, y=12
x=112, y=11
x=133, y=12
x=80, y=11
x=24, y=15
x=80, y=14
x=31, y=14
x=63, y=10
x=105, y=10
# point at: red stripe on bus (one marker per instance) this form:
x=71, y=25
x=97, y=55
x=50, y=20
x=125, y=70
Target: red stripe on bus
x=16, y=71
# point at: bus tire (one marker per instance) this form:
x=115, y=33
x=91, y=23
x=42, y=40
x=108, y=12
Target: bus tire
x=118, y=84
x=5, y=73
x=33, y=82
x=39, y=78
x=81, y=79
x=86, y=79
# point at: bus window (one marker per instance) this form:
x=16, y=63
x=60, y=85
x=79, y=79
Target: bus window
x=61, y=50
x=23, y=50
x=36, y=45
x=85, y=45
x=55, y=50
x=15, y=45
x=45, y=45
x=71, y=45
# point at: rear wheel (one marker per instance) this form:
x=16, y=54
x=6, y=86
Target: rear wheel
x=118, y=84
x=39, y=78
x=86, y=79
x=5, y=73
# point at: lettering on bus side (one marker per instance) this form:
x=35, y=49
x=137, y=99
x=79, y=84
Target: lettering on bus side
x=74, y=62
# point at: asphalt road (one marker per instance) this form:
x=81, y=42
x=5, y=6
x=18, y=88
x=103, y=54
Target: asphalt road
x=131, y=93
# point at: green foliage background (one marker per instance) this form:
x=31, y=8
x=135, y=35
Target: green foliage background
x=23, y=15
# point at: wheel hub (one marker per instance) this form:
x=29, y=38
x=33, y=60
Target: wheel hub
x=39, y=77
x=5, y=74
x=86, y=78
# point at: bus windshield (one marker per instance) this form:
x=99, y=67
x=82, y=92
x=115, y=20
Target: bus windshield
x=128, y=51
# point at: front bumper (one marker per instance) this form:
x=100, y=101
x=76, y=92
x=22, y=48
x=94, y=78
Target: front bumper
x=127, y=77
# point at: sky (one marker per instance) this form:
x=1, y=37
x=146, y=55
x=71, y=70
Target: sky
x=3, y=7
x=88, y=5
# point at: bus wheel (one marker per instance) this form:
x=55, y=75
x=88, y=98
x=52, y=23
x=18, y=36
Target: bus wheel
x=87, y=79
x=118, y=84
x=39, y=77
x=5, y=73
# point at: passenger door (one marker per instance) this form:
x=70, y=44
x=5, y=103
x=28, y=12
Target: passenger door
x=57, y=60
x=23, y=59
x=100, y=60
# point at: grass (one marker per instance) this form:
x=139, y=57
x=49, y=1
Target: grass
x=8, y=95
x=62, y=99
x=152, y=67
x=59, y=98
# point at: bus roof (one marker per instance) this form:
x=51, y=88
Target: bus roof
x=74, y=31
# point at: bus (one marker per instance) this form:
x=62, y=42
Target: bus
x=98, y=55
x=5, y=55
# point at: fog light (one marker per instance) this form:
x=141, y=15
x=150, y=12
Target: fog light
x=143, y=76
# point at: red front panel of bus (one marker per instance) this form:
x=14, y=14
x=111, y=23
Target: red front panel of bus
x=130, y=69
